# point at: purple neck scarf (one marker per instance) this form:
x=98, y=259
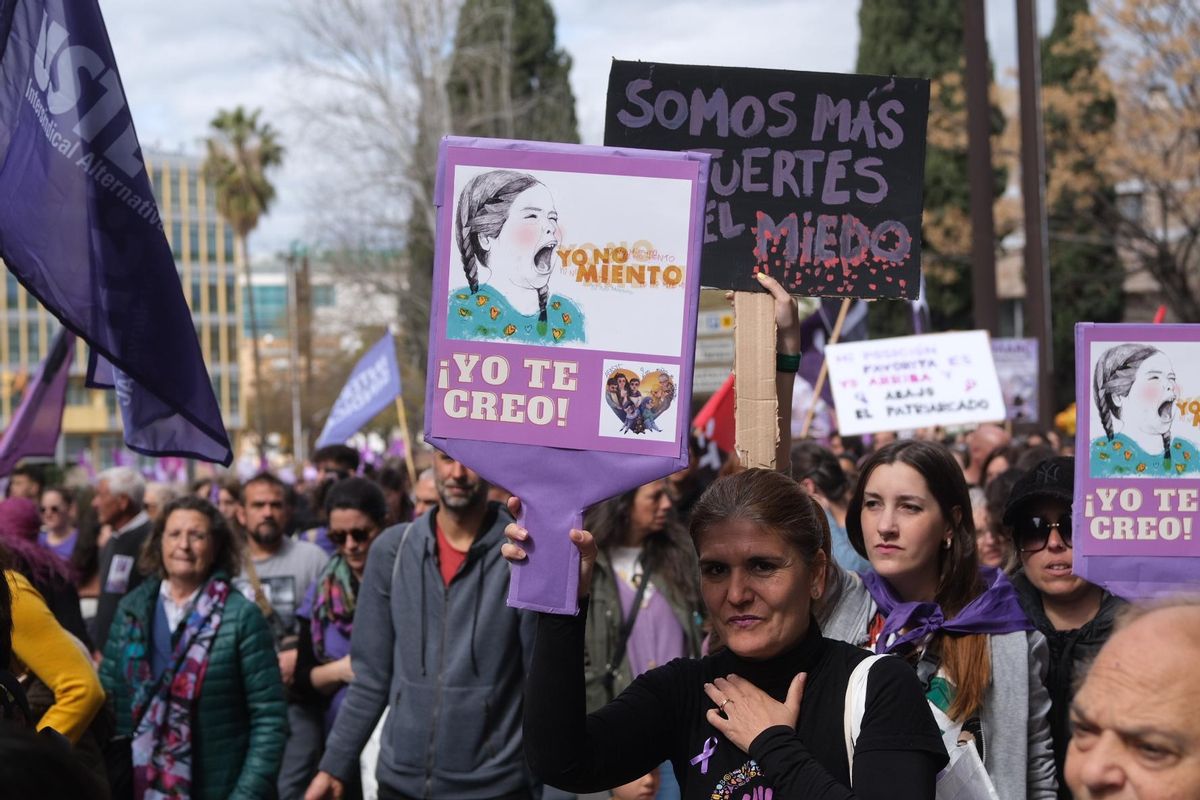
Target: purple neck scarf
x=995, y=611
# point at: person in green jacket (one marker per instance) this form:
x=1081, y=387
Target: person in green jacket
x=190, y=667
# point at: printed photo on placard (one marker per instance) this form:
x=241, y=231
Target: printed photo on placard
x=568, y=259
x=641, y=399
x=1144, y=409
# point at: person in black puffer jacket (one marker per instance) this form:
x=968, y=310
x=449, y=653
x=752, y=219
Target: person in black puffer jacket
x=1075, y=616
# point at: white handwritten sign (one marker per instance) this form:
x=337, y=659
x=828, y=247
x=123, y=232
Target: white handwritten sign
x=914, y=382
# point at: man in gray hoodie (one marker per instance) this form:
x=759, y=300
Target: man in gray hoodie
x=434, y=638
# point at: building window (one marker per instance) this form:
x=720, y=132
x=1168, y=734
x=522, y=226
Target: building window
x=176, y=238
x=173, y=179
x=14, y=343
x=11, y=288
x=193, y=189
x=156, y=185
x=210, y=234
x=323, y=296
x=195, y=295
x=77, y=393
x=229, y=244
x=194, y=240
x=1131, y=207
x=213, y=291
x=233, y=394
x=35, y=341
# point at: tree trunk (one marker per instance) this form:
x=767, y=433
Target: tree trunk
x=259, y=425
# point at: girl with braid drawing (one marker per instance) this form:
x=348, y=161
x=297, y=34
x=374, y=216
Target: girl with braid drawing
x=506, y=228
x=1135, y=392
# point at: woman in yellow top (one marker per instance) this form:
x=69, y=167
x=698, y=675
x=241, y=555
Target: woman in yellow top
x=41, y=646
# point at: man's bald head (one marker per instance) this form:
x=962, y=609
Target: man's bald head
x=1136, y=732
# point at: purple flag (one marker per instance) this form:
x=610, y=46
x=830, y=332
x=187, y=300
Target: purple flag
x=37, y=421
x=80, y=229
x=372, y=386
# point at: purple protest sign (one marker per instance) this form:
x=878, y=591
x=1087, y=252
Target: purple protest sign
x=1137, y=466
x=1017, y=369
x=562, y=330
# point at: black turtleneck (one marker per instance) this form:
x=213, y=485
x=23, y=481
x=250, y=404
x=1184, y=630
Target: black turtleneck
x=662, y=716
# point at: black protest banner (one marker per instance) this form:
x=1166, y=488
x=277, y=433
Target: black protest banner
x=816, y=178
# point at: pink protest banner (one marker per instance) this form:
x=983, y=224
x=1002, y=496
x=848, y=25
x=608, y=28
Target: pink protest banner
x=562, y=330
x=1137, y=465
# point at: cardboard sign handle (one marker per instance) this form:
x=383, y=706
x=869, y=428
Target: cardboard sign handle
x=833, y=338
x=756, y=403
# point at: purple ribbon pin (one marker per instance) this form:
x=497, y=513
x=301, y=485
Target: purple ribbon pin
x=710, y=747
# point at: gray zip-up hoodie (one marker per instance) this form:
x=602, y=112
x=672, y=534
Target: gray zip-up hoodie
x=451, y=662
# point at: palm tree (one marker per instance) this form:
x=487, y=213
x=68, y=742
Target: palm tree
x=240, y=152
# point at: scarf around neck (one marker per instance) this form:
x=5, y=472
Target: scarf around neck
x=164, y=710
x=997, y=610
x=333, y=604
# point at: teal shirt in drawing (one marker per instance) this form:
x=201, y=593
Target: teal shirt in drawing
x=487, y=314
x=1122, y=456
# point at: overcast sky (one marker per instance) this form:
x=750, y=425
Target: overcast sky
x=180, y=62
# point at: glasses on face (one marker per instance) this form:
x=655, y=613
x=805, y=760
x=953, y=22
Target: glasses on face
x=360, y=535
x=51, y=509
x=1033, y=533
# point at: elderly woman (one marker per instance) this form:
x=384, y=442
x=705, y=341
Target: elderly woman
x=191, y=668
x=764, y=716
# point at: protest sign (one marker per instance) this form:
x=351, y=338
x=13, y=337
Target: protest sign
x=1137, y=466
x=560, y=363
x=1017, y=367
x=816, y=178
x=372, y=386
x=914, y=382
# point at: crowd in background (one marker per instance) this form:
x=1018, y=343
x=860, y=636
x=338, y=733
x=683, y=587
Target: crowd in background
x=245, y=639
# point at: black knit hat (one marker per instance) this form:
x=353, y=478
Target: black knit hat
x=1052, y=479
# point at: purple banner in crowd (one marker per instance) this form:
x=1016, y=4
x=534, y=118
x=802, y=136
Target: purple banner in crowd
x=562, y=332
x=35, y=425
x=80, y=228
x=371, y=387
x=1137, y=481
x=1017, y=368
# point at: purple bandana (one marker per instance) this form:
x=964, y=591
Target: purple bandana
x=995, y=611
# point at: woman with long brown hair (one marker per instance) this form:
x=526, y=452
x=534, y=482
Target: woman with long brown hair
x=960, y=626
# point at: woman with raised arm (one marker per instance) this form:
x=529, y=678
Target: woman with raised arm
x=767, y=713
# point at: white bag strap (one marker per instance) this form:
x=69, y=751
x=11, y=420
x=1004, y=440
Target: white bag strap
x=856, y=706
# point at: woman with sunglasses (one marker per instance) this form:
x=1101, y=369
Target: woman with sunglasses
x=1075, y=616
x=58, y=532
x=356, y=509
x=961, y=628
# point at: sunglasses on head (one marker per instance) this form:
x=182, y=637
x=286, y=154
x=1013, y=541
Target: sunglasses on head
x=360, y=535
x=1033, y=533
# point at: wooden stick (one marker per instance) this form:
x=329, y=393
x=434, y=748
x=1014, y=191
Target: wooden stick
x=408, y=457
x=833, y=337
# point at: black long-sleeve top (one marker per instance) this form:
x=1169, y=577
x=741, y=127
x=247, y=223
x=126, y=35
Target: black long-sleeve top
x=662, y=716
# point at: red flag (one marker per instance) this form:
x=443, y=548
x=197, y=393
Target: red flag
x=715, y=422
x=1160, y=315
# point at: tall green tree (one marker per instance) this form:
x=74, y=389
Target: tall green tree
x=241, y=151
x=509, y=79
x=1086, y=274
x=925, y=40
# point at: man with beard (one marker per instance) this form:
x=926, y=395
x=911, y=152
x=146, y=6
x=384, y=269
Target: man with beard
x=433, y=636
x=285, y=568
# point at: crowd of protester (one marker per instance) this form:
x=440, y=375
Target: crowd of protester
x=348, y=637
